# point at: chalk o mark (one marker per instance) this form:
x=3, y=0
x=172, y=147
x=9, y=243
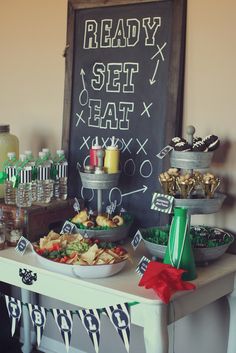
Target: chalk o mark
x=129, y=167
x=142, y=167
x=85, y=160
x=112, y=199
x=83, y=196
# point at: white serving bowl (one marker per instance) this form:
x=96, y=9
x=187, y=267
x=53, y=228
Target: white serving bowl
x=82, y=271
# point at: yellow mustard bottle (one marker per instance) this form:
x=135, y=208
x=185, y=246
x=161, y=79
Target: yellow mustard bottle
x=8, y=143
x=112, y=158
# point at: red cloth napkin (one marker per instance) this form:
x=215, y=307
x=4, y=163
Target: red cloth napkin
x=164, y=279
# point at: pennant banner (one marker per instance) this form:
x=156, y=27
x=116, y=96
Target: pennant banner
x=64, y=322
x=120, y=317
x=91, y=320
x=38, y=317
x=14, y=311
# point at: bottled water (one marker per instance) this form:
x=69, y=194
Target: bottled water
x=43, y=168
x=2, y=230
x=49, y=159
x=60, y=183
x=31, y=162
x=10, y=170
x=24, y=174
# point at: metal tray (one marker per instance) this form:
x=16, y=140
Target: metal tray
x=99, y=181
x=112, y=234
x=190, y=160
x=201, y=206
x=201, y=255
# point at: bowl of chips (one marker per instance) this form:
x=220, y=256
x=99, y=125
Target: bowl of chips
x=71, y=254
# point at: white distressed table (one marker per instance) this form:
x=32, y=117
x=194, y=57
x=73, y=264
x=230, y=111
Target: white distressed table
x=213, y=282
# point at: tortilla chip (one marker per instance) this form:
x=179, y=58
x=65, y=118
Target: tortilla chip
x=53, y=235
x=81, y=262
x=112, y=253
x=90, y=255
x=99, y=262
x=73, y=259
x=106, y=257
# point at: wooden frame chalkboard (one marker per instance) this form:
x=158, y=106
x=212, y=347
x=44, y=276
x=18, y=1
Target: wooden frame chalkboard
x=124, y=77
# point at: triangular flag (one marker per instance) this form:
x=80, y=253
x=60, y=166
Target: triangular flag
x=91, y=320
x=14, y=311
x=38, y=317
x=120, y=318
x=64, y=322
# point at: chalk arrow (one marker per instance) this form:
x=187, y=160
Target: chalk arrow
x=151, y=80
x=144, y=188
x=82, y=73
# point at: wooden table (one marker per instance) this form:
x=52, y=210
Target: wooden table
x=213, y=282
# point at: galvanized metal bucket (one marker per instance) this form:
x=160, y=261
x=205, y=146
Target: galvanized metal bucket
x=99, y=181
x=190, y=160
x=201, y=206
x=112, y=234
x=201, y=255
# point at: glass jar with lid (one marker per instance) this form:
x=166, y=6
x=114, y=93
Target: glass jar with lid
x=8, y=143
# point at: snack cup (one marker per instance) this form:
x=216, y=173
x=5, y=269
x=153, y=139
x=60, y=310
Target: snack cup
x=185, y=187
x=210, y=187
x=168, y=186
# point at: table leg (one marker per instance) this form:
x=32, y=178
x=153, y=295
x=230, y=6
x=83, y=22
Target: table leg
x=232, y=322
x=26, y=298
x=155, y=328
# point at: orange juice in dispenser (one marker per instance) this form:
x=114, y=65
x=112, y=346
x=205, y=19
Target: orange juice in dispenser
x=112, y=158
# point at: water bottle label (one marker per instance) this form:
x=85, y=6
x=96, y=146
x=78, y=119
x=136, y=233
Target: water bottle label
x=10, y=171
x=62, y=170
x=26, y=175
x=162, y=203
x=43, y=172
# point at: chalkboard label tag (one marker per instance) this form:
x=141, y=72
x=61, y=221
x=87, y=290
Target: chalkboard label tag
x=142, y=266
x=162, y=203
x=68, y=227
x=164, y=151
x=136, y=239
x=22, y=245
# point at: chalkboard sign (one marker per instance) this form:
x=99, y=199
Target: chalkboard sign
x=124, y=78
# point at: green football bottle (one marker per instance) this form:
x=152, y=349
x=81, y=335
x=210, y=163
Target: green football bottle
x=179, y=252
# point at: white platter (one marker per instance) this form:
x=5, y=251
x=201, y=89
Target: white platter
x=82, y=271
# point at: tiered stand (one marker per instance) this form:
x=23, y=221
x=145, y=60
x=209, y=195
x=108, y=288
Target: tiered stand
x=195, y=161
x=101, y=182
x=189, y=161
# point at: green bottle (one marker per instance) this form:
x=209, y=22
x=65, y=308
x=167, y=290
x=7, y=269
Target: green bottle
x=179, y=249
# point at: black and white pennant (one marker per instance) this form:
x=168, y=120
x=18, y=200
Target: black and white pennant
x=38, y=317
x=91, y=320
x=14, y=311
x=64, y=322
x=120, y=317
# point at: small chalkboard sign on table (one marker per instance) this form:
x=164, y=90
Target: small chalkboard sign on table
x=124, y=78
